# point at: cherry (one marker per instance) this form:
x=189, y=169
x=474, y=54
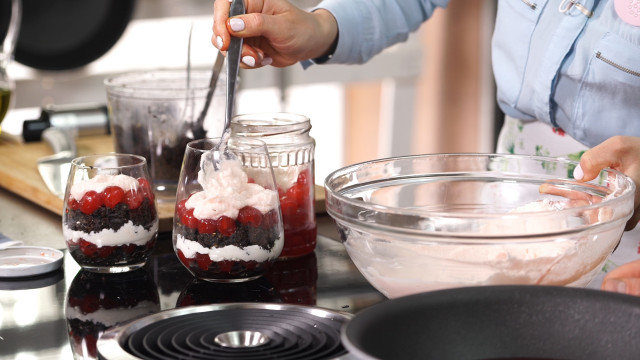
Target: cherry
x=288, y=207
x=133, y=199
x=113, y=195
x=207, y=226
x=225, y=266
x=204, y=261
x=73, y=204
x=250, y=216
x=180, y=206
x=297, y=193
x=226, y=226
x=88, y=248
x=188, y=219
x=105, y=251
x=183, y=259
x=90, y=202
x=146, y=188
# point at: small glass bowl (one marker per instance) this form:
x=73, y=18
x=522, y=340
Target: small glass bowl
x=227, y=225
x=429, y=222
x=110, y=220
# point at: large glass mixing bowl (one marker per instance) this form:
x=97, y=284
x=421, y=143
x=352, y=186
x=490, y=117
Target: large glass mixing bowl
x=428, y=222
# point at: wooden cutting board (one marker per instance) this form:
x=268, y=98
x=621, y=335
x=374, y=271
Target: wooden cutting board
x=19, y=174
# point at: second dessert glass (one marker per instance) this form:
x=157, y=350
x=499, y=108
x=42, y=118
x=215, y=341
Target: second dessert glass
x=227, y=226
x=110, y=221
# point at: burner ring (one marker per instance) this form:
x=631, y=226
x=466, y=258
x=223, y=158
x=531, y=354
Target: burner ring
x=241, y=339
x=231, y=331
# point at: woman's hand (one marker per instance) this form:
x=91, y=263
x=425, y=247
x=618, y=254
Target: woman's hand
x=624, y=279
x=276, y=32
x=621, y=153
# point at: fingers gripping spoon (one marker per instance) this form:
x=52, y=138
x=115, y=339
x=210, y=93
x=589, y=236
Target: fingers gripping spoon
x=233, y=66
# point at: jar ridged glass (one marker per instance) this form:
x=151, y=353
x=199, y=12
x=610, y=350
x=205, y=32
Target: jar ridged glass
x=291, y=150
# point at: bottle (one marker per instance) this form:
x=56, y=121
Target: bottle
x=291, y=150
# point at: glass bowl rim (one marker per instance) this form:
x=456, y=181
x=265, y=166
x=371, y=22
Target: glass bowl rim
x=627, y=193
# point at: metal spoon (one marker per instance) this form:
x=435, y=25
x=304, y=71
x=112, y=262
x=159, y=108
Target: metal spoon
x=233, y=64
x=198, y=128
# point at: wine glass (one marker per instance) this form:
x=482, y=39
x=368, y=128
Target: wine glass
x=227, y=225
x=6, y=54
x=110, y=220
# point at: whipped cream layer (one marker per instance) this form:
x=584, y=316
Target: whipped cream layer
x=227, y=190
x=230, y=252
x=112, y=317
x=399, y=267
x=127, y=234
x=100, y=182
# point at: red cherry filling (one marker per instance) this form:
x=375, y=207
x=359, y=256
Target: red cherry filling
x=113, y=195
x=207, y=226
x=188, y=219
x=133, y=199
x=226, y=226
x=250, y=216
x=90, y=202
x=203, y=261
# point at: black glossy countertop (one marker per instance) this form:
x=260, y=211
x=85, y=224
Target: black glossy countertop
x=33, y=324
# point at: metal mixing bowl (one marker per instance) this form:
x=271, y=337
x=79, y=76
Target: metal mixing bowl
x=428, y=222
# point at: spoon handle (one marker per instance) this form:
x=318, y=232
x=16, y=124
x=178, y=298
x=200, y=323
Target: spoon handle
x=233, y=63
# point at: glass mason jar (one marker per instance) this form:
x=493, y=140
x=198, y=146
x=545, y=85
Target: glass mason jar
x=291, y=149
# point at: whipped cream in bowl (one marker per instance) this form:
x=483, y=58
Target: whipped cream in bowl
x=429, y=222
x=227, y=225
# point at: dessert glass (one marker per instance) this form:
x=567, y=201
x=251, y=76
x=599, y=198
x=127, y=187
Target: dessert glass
x=227, y=225
x=155, y=114
x=292, y=151
x=110, y=221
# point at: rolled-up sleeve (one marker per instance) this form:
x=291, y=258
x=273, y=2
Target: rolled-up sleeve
x=366, y=27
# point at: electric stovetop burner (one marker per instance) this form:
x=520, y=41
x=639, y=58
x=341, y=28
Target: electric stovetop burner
x=229, y=331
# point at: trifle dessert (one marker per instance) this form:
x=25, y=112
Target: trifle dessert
x=110, y=221
x=230, y=230
x=96, y=302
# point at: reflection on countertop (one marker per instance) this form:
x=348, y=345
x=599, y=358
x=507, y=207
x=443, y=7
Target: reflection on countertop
x=48, y=316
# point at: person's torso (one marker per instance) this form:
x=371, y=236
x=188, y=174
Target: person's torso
x=554, y=63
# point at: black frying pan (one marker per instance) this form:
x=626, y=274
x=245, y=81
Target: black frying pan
x=67, y=34
x=499, y=322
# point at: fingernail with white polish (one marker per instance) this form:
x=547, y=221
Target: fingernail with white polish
x=615, y=286
x=266, y=61
x=578, y=174
x=219, y=42
x=236, y=24
x=249, y=61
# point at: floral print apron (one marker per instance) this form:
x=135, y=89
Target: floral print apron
x=537, y=138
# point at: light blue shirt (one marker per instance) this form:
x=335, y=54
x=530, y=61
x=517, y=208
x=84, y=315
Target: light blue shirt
x=567, y=69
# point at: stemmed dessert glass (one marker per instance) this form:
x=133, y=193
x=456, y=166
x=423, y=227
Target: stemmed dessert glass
x=110, y=220
x=227, y=225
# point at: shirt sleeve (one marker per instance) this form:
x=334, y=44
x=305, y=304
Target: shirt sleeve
x=366, y=27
